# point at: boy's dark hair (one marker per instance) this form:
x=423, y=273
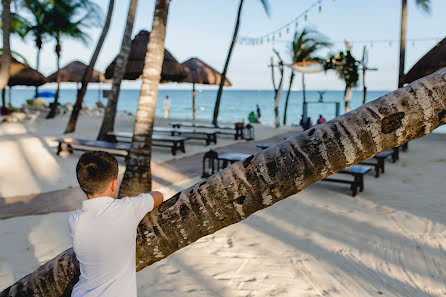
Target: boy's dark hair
x=95, y=170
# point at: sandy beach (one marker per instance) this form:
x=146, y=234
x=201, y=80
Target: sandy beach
x=389, y=240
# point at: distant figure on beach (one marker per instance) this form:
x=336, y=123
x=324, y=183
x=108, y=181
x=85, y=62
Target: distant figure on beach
x=321, y=120
x=166, y=105
x=252, y=117
x=103, y=231
x=301, y=123
x=308, y=124
x=259, y=115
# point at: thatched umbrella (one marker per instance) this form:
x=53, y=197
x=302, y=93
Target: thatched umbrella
x=198, y=72
x=74, y=71
x=172, y=70
x=22, y=75
x=434, y=60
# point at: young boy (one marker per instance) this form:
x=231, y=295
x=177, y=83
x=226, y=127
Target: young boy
x=103, y=231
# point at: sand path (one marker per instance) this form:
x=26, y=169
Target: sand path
x=389, y=240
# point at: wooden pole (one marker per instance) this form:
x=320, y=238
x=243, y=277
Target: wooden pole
x=194, y=107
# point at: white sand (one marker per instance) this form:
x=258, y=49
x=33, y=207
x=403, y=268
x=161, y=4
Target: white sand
x=389, y=240
x=29, y=164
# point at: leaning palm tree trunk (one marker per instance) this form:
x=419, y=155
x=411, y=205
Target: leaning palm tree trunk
x=137, y=177
x=266, y=178
x=288, y=97
x=402, y=41
x=6, y=57
x=108, y=122
x=71, y=126
x=228, y=58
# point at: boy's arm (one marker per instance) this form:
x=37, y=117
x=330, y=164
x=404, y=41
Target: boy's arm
x=158, y=198
x=144, y=203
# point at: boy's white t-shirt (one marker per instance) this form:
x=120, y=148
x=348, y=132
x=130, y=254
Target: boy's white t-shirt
x=103, y=234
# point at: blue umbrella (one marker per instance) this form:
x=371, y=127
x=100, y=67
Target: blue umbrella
x=46, y=95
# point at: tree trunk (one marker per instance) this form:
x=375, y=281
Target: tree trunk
x=6, y=57
x=287, y=97
x=228, y=58
x=347, y=97
x=269, y=176
x=37, y=68
x=71, y=126
x=108, y=122
x=53, y=109
x=137, y=177
x=402, y=41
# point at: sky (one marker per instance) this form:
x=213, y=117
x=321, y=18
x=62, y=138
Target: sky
x=204, y=28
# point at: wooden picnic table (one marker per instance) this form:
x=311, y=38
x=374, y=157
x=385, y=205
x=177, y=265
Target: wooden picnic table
x=236, y=129
x=174, y=142
x=208, y=135
x=72, y=144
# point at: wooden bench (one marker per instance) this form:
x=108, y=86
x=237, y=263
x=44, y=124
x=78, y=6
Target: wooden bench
x=378, y=161
x=236, y=130
x=72, y=144
x=358, y=172
x=174, y=142
x=208, y=136
x=222, y=160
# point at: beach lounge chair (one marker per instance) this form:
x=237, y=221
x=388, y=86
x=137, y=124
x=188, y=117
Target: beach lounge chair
x=176, y=143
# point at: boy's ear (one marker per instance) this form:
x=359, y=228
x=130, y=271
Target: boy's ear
x=114, y=185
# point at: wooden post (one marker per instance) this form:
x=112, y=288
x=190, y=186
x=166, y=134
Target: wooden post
x=194, y=108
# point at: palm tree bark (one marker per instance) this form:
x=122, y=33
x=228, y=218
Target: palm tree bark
x=402, y=41
x=225, y=69
x=108, y=122
x=71, y=126
x=137, y=177
x=269, y=176
x=287, y=97
x=58, y=49
x=6, y=57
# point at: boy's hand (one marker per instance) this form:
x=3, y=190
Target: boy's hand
x=157, y=198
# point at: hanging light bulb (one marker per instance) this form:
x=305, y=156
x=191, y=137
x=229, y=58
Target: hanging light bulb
x=320, y=7
x=297, y=25
x=288, y=29
x=280, y=34
x=306, y=17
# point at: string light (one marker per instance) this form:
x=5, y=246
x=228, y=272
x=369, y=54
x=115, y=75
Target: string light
x=286, y=28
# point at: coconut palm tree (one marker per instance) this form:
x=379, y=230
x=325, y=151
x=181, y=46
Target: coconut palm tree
x=263, y=179
x=304, y=46
x=228, y=57
x=346, y=66
x=71, y=126
x=137, y=176
x=6, y=56
x=423, y=4
x=69, y=18
x=37, y=26
x=108, y=122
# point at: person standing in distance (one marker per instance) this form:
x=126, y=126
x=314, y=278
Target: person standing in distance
x=166, y=105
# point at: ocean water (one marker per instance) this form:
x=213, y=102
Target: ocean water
x=235, y=104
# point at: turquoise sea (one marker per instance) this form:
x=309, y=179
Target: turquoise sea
x=235, y=104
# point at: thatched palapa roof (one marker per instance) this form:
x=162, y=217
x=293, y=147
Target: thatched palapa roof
x=172, y=70
x=434, y=60
x=199, y=72
x=22, y=75
x=74, y=71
